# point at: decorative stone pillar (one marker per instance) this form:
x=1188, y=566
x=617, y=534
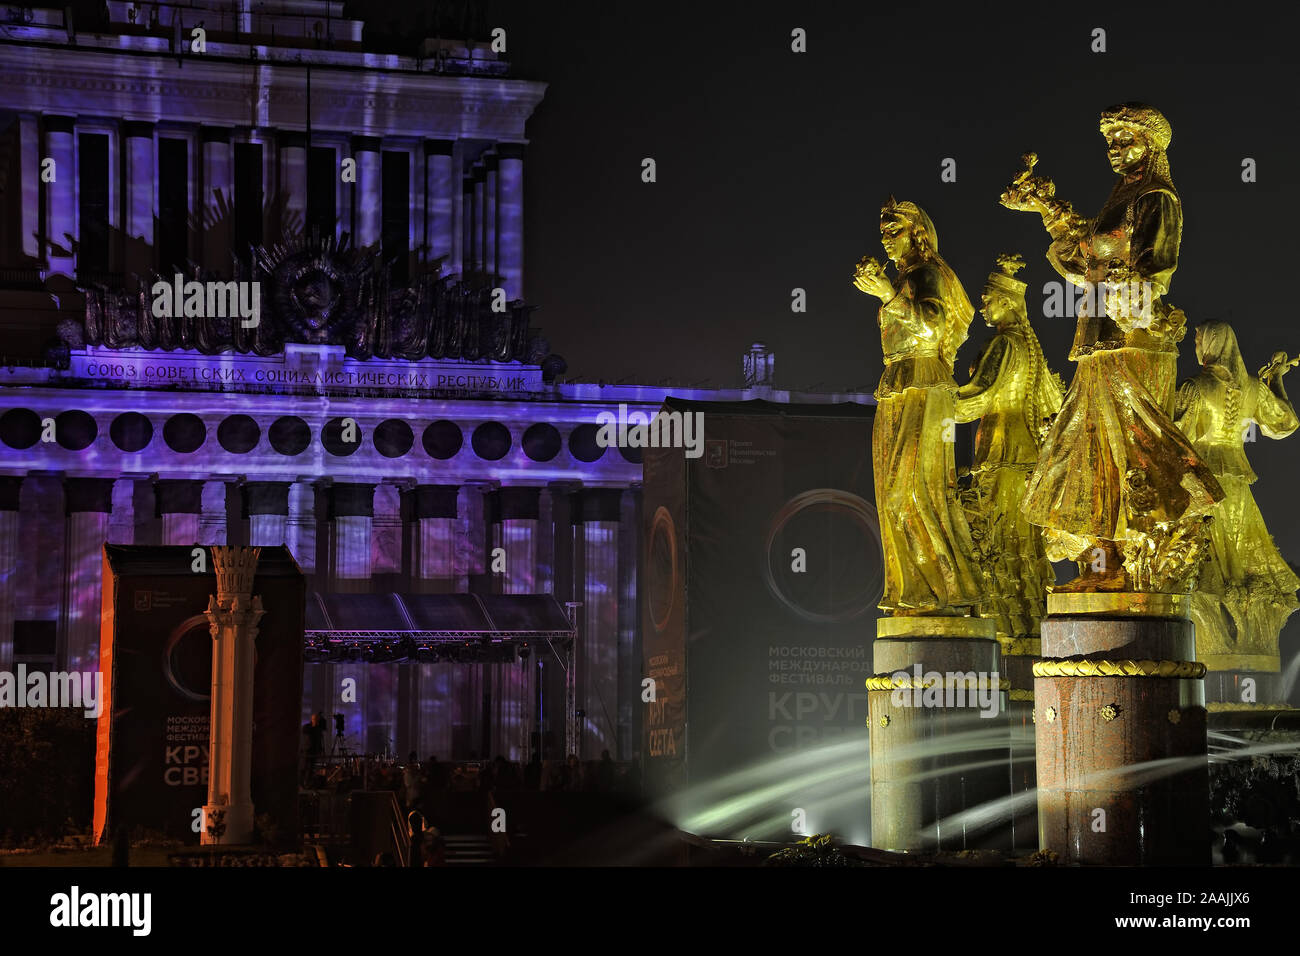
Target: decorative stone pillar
x=386, y=531
x=432, y=710
x=367, y=208
x=1120, y=721
x=480, y=217
x=212, y=514
x=472, y=532
x=466, y=231
x=558, y=562
x=596, y=519
x=41, y=533
x=29, y=164
x=915, y=696
x=178, y=504
x=383, y=678
x=266, y=504
x=351, y=515
x=510, y=218
x=216, y=210
x=10, y=488
x=490, y=213
x=472, y=571
x=440, y=200
x=140, y=206
x=515, y=517
x=300, y=526
x=431, y=510
x=87, y=505
x=60, y=192
x=293, y=179
x=121, y=519
x=233, y=614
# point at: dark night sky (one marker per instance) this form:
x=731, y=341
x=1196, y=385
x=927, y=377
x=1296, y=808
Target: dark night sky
x=772, y=167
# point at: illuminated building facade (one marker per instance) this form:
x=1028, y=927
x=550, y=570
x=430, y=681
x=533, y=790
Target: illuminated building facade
x=392, y=418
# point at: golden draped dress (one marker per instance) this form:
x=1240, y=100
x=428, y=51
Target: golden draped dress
x=1011, y=391
x=1115, y=420
x=1246, y=590
x=928, y=555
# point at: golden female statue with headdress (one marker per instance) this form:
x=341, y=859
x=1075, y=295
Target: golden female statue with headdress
x=1117, y=487
x=924, y=317
x=1016, y=397
x=1246, y=591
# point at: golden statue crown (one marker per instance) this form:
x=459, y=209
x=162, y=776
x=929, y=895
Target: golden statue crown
x=1147, y=119
x=1003, y=278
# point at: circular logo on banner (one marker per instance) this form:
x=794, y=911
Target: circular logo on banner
x=823, y=556
x=187, y=658
x=661, y=574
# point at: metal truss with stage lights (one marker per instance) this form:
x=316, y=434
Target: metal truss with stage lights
x=444, y=628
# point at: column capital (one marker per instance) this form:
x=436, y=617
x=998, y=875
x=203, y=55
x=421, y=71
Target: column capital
x=431, y=501
x=10, y=486
x=87, y=495
x=516, y=503
x=439, y=147
x=56, y=123
x=215, y=134
x=366, y=144
x=597, y=504
x=265, y=498
x=351, y=500
x=291, y=139
x=177, y=496
x=510, y=150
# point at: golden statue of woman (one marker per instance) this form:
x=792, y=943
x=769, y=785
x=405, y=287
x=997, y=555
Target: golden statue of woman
x=1016, y=397
x=1246, y=590
x=924, y=317
x=1117, y=488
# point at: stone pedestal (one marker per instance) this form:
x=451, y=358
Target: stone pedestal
x=1120, y=723
x=233, y=615
x=1018, y=656
x=935, y=751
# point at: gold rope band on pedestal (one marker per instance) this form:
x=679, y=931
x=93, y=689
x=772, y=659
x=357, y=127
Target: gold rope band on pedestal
x=910, y=683
x=1064, y=668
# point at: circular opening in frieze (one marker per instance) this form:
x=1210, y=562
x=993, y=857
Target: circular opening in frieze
x=582, y=443
x=542, y=442
x=443, y=439
x=238, y=434
x=185, y=433
x=20, y=428
x=491, y=441
x=289, y=435
x=131, y=432
x=393, y=438
x=341, y=436
x=75, y=430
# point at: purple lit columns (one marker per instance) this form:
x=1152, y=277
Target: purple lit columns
x=514, y=531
